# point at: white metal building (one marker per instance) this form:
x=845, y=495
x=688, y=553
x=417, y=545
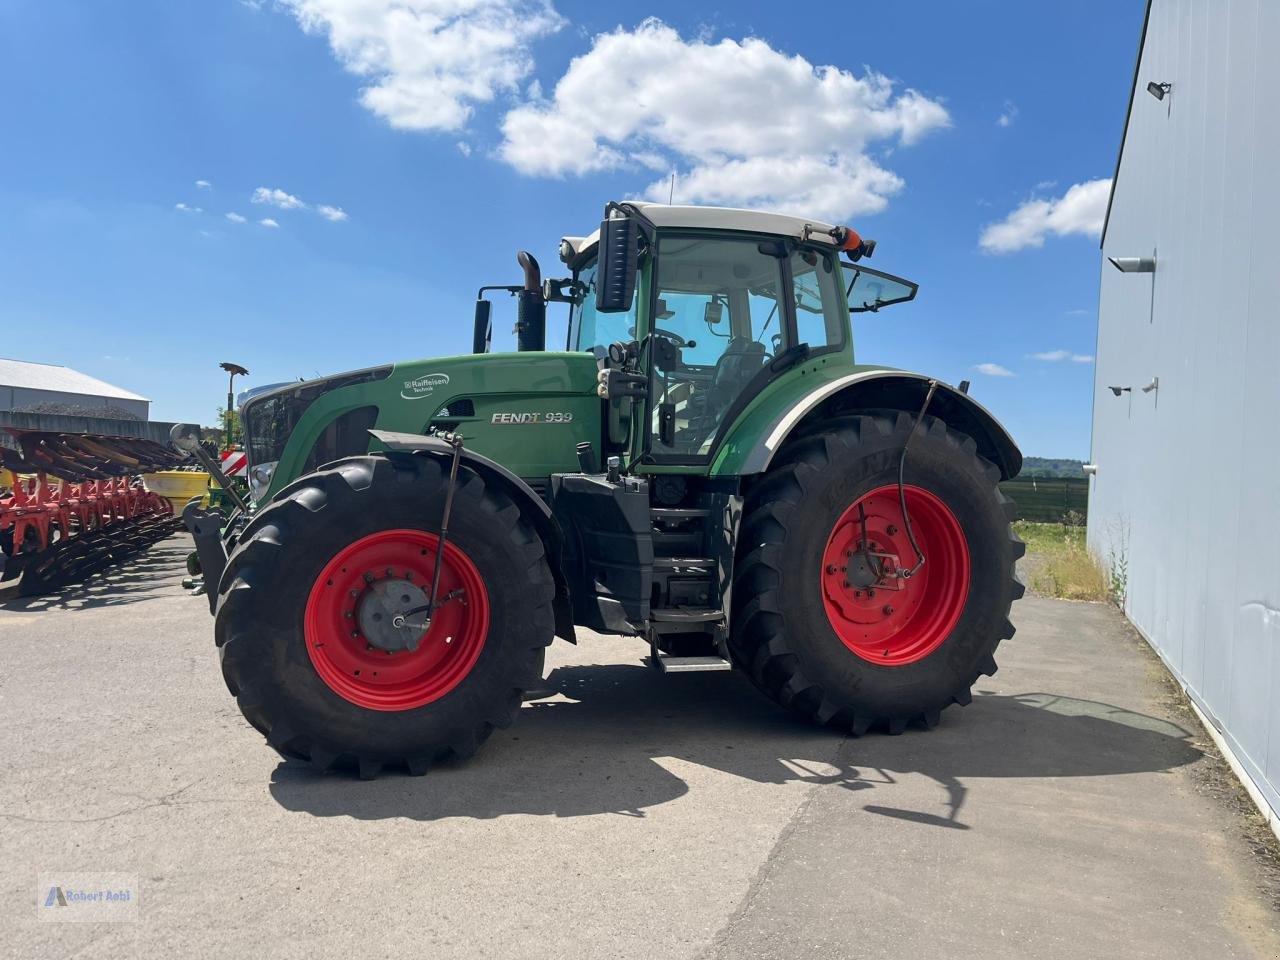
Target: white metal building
x=1186, y=441
x=26, y=386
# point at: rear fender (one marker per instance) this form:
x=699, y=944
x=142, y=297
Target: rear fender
x=532, y=507
x=887, y=390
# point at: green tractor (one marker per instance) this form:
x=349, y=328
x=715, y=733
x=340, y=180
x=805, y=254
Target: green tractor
x=704, y=466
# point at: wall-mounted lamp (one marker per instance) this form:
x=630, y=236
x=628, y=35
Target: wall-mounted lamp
x=1158, y=90
x=1119, y=390
x=1153, y=385
x=1090, y=469
x=1134, y=264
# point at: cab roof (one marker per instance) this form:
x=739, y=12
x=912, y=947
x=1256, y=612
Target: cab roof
x=717, y=218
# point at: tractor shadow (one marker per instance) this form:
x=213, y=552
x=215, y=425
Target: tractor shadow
x=603, y=745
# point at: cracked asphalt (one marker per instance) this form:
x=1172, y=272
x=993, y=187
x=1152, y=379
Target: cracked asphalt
x=631, y=815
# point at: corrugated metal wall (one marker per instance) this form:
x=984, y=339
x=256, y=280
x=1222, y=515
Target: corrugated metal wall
x=1188, y=482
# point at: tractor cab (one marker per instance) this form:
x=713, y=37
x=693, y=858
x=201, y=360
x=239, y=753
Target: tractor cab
x=694, y=311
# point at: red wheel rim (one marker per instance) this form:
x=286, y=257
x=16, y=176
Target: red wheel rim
x=892, y=621
x=402, y=680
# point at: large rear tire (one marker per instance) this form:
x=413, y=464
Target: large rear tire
x=301, y=651
x=814, y=634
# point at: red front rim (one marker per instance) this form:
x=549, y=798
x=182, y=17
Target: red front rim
x=878, y=615
x=369, y=676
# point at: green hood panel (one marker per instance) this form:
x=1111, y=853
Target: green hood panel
x=528, y=411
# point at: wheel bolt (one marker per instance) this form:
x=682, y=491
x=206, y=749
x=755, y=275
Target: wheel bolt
x=354, y=594
x=355, y=634
x=871, y=592
x=348, y=614
x=891, y=530
x=368, y=578
x=887, y=610
x=368, y=648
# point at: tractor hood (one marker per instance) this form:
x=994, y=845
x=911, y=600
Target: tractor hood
x=526, y=410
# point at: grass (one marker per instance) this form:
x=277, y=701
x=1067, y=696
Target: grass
x=1058, y=563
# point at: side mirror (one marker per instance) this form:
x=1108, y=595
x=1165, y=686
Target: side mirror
x=616, y=272
x=483, y=329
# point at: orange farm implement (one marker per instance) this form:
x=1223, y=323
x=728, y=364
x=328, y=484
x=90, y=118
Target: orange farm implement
x=75, y=505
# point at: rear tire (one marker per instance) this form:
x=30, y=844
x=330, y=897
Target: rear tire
x=296, y=670
x=905, y=652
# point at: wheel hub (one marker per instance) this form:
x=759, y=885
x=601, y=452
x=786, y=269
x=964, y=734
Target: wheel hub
x=874, y=609
x=383, y=605
x=356, y=601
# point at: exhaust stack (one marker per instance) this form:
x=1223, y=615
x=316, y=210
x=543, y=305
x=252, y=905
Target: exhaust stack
x=531, y=310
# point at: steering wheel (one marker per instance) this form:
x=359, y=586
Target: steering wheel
x=677, y=341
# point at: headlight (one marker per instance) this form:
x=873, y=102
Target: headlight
x=260, y=478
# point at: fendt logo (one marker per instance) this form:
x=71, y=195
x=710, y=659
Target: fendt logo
x=423, y=386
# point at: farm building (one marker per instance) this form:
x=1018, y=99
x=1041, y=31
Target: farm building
x=48, y=388
x=1185, y=501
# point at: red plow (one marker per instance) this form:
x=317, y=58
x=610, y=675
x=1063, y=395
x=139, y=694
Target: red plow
x=76, y=506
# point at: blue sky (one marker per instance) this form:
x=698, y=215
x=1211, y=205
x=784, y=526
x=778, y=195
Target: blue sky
x=404, y=165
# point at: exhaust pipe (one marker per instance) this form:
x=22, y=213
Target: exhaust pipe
x=531, y=310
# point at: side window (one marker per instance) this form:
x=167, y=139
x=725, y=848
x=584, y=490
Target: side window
x=820, y=316
x=714, y=329
x=344, y=436
x=589, y=329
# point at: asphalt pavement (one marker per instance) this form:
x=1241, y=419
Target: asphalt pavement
x=631, y=815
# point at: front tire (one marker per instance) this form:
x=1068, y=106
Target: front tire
x=296, y=629
x=821, y=622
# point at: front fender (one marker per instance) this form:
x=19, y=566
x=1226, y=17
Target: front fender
x=532, y=507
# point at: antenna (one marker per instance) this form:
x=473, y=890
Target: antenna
x=671, y=195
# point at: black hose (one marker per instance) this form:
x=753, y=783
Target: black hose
x=902, y=493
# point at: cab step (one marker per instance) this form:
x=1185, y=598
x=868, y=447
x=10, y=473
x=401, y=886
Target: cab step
x=689, y=664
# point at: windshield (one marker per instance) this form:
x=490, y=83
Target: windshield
x=589, y=329
x=869, y=290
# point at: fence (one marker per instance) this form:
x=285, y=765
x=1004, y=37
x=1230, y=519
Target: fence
x=1049, y=499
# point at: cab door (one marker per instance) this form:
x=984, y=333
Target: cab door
x=723, y=324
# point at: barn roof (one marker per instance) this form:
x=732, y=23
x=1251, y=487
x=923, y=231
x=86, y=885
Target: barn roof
x=48, y=376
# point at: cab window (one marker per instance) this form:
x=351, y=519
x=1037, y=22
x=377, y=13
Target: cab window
x=589, y=329
x=718, y=322
x=820, y=307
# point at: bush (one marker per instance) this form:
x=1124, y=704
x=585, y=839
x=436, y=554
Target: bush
x=1060, y=565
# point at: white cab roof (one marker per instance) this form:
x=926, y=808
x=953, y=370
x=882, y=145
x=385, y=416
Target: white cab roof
x=718, y=218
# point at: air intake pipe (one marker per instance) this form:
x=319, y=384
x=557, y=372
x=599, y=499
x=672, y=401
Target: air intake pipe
x=531, y=309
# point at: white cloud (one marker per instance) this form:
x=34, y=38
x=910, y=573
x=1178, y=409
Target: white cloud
x=1080, y=210
x=1008, y=114
x=994, y=370
x=276, y=198
x=185, y=208
x=1057, y=356
x=740, y=122
x=269, y=223
x=464, y=148
x=428, y=61
x=235, y=217
x=203, y=185
x=336, y=214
